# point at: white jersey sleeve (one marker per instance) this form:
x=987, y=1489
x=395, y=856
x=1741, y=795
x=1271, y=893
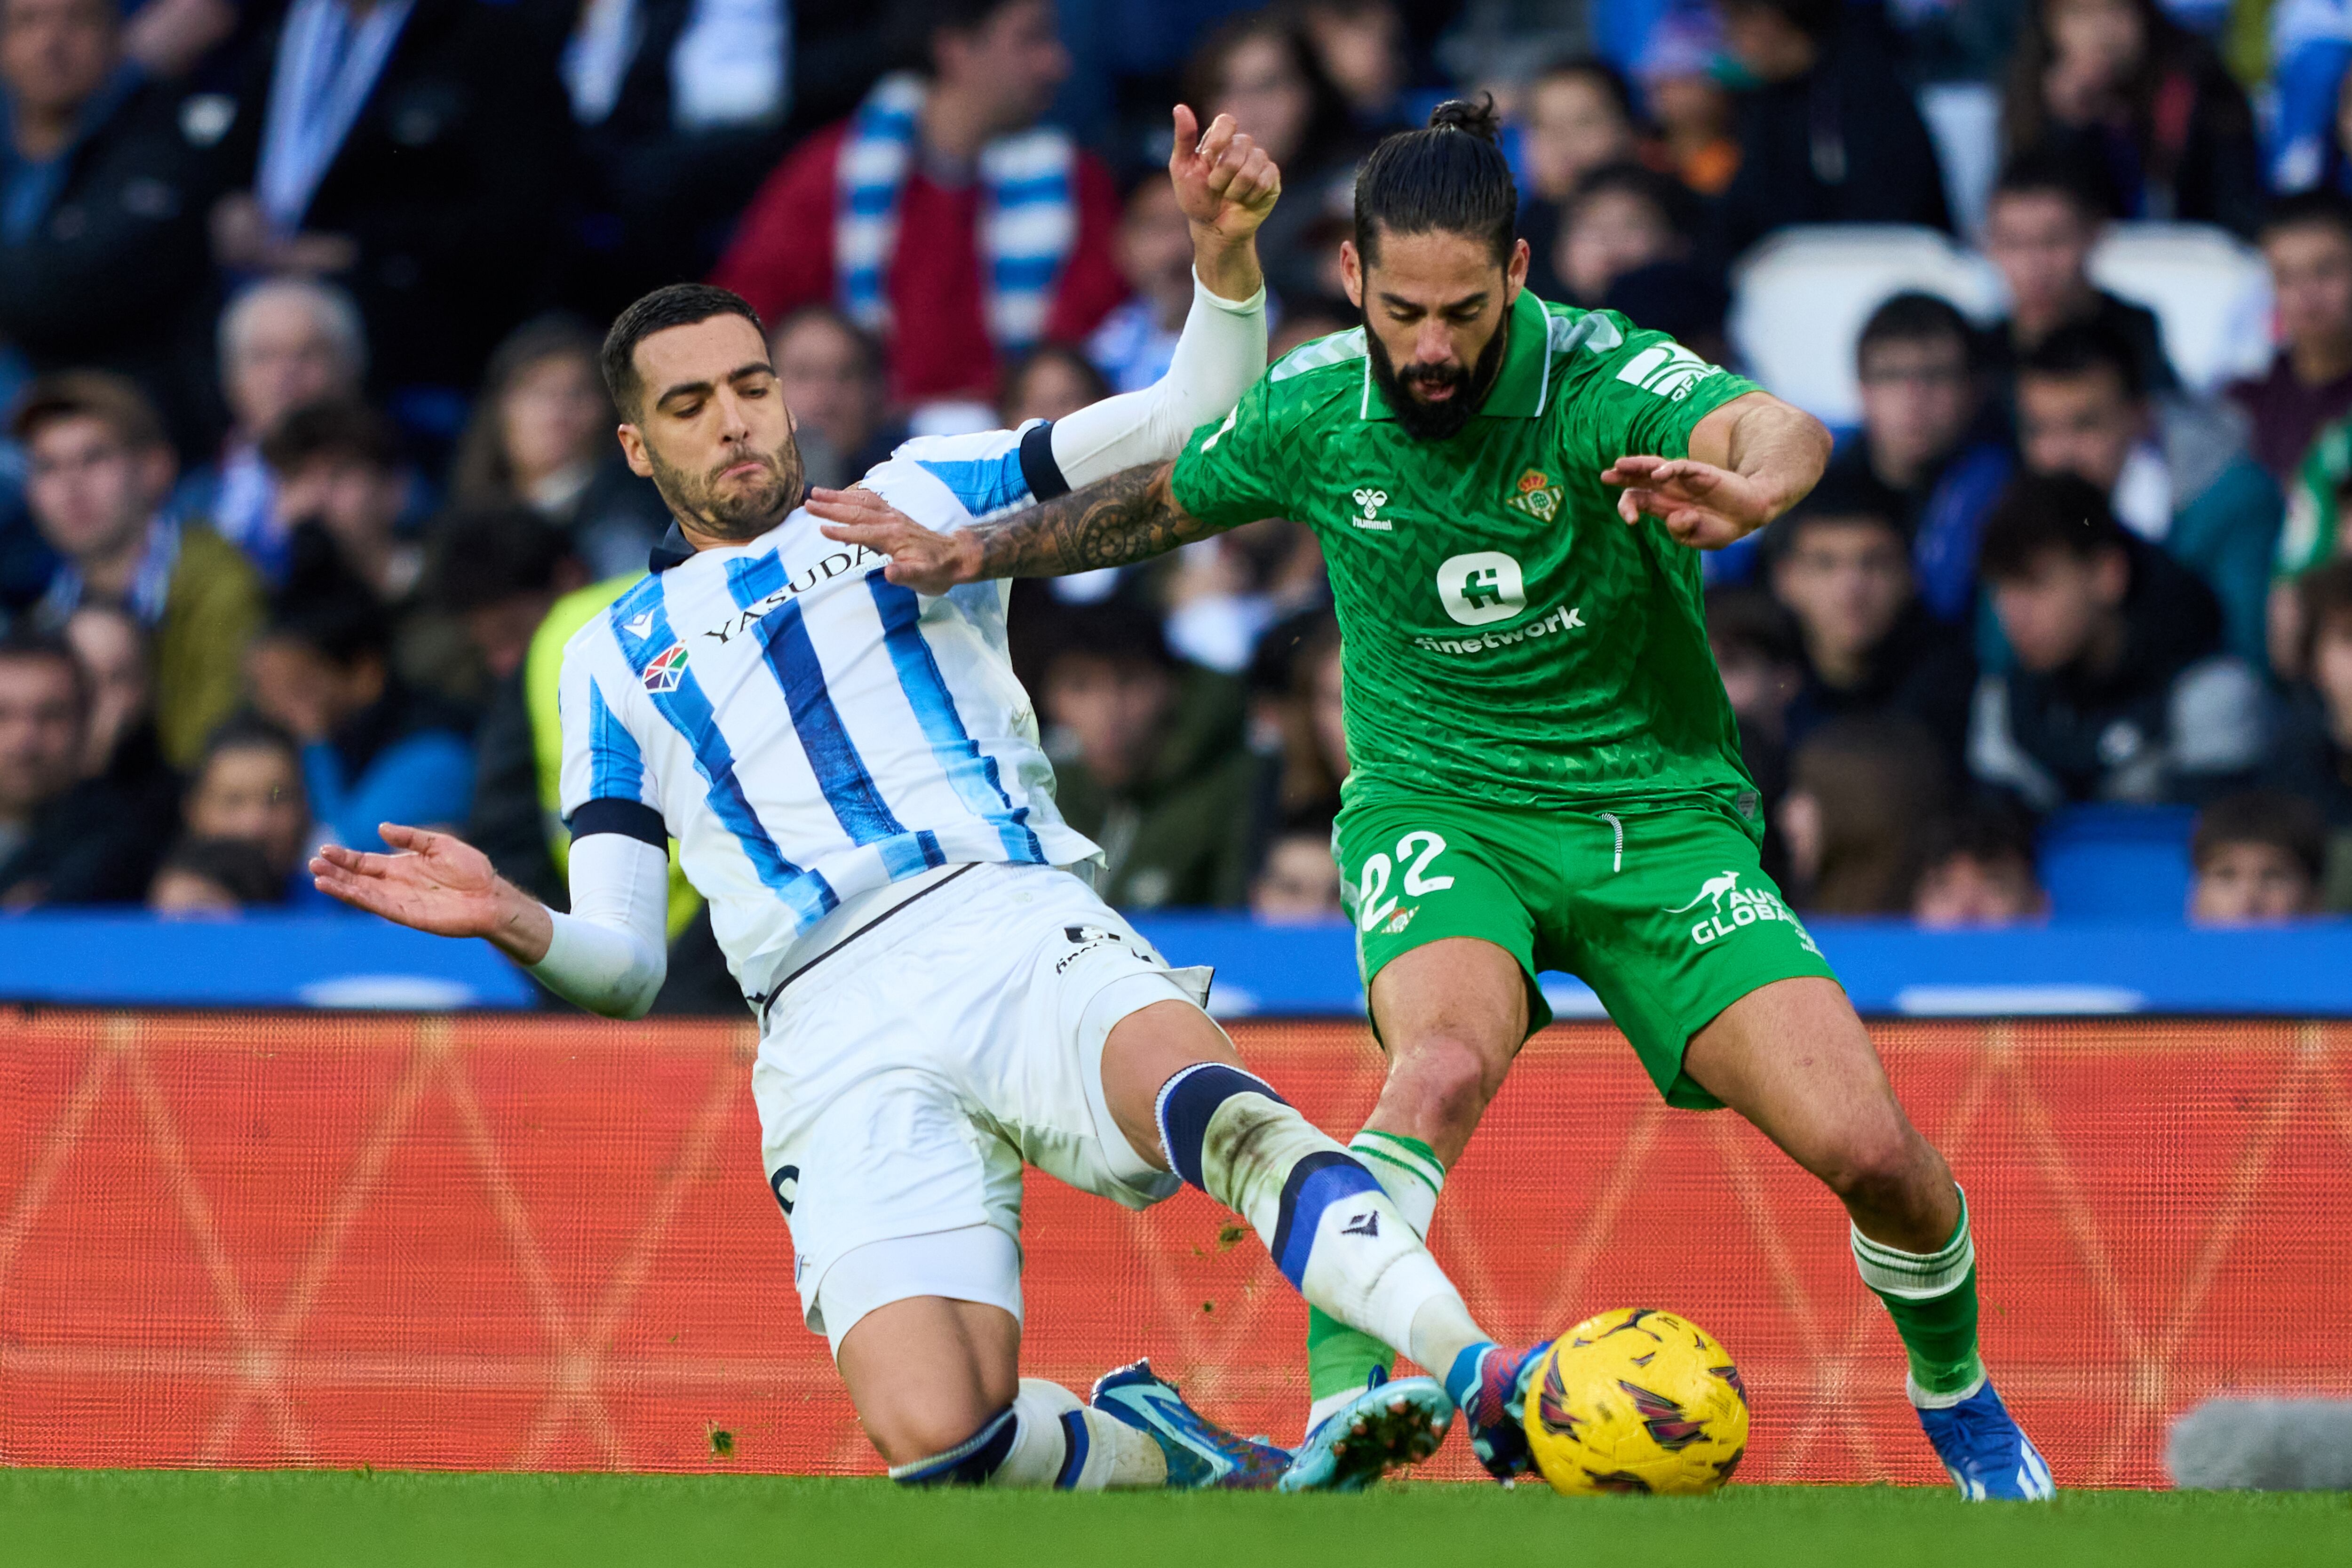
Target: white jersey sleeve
x=607, y=785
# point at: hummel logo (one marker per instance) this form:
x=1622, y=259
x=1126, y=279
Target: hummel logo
x=640, y=626
x=1371, y=500
x=1365, y=1223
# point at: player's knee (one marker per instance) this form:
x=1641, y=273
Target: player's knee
x=929, y=1446
x=1881, y=1169
x=1448, y=1078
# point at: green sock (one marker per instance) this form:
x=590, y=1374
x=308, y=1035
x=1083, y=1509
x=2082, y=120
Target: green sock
x=1340, y=1359
x=1933, y=1299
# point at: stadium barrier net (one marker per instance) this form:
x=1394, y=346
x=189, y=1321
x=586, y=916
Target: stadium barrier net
x=484, y=1242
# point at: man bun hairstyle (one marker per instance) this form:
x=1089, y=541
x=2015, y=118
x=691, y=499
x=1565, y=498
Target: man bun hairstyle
x=673, y=305
x=1448, y=178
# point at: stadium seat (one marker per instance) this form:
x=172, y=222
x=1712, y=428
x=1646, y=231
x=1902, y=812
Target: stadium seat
x=1800, y=297
x=2209, y=288
x=2117, y=862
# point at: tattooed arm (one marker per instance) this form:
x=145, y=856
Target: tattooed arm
x=1131, y=516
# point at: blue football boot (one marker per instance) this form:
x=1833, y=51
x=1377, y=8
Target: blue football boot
x=1989, y=1455
x=1490, y=1385
x=1388, y=1425
x=1201, y=1454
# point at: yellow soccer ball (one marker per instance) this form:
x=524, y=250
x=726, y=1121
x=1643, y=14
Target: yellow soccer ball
x=1636, y=1401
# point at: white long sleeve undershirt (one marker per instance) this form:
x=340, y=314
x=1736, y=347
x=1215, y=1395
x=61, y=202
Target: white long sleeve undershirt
x=1220, y=353
x=611, y=953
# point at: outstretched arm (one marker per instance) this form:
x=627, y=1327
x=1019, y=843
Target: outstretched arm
x=608, y=955
x=1749, y=461
x=1131, y=516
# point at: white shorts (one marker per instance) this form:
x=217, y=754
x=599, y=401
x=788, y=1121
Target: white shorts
x=903, y=1081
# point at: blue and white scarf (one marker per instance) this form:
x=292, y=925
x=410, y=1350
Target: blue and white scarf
x=150, y=589
x=1028, y=214
x=327, y=65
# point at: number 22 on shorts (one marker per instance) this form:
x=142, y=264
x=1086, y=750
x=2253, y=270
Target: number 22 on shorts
x=1415, y=851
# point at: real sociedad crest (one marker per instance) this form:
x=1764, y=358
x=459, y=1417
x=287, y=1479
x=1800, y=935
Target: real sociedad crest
x=667, y=669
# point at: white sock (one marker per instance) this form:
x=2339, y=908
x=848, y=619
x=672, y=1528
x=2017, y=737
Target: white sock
x=1409, y=1177
x=1116, y=1455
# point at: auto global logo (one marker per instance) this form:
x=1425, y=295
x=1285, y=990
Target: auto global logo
x=1482, y=586
x=1723, y=906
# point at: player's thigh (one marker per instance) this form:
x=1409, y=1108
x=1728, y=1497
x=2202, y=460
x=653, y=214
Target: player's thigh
x=1446, y=933
x=1793, y=1058
x=1669, y=917
x=928, y=1372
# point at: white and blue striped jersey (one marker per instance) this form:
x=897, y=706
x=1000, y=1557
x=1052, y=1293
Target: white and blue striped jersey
x=809, y=731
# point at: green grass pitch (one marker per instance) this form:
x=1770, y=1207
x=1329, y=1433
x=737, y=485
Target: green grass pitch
x=60, y=1518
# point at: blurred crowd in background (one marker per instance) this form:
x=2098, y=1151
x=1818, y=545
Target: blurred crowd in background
x=308, y=469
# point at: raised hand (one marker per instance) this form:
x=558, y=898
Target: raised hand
x=1703, y=506
x=1223, y=179
x=435, y=882
x=926, y=561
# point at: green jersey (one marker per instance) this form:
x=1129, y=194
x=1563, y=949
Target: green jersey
x=1506, y=636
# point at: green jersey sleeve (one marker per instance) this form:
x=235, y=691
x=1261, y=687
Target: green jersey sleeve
x=1644, y=395
x=1231, y=470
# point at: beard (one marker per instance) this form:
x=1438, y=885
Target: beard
x=1437, y=421
x=742, y=510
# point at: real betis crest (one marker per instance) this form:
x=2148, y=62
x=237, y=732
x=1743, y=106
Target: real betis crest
x=1537, y=494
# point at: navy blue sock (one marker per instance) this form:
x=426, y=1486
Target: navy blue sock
x=970, y=1463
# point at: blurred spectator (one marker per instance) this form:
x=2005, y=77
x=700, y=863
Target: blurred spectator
x=1150, y=761
x=1957, y=41
x=831, y=373
x=248, y=787
x=1303, y=324
x=2121, y=689
x=2312, y=755
x=374, y=750
x=119, y=748
x=1688, y=103
x=1980, y=871
x=1135, y=343
x=1226, y=591
x=104, y=180
x=1861, y=794
x=1301, y=719
x=2118, y=84
x=284, y=341
x=941, y=216
x=2307, y=240
x=1050, y=382
x=173, y=38
x=338, y=466
x=1923, y=456
x=1626, y=243
x=541, y=437
x=1829, y=133
x=64, y=838
x=1844, y=572
x=2257, y=856
x=1298, y=884
x=101, y=469
x=1360, y=45
x=498, y=571
x=678, y=104
x=414, y=151
x=210, y=878
x=1579, y=118
x=1259, y=69
x=1755, y=649
x=2174, y=471
x=2043, y=220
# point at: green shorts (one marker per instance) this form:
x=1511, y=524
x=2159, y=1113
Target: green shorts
x=1661, y=908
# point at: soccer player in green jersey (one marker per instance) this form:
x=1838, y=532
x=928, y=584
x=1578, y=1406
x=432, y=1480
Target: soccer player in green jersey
x=1545, y=772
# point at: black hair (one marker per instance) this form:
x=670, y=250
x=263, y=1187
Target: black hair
x=2321, y=207
x=1990, y=829
x=2046, y=170
x=324, y=606
x=245, y=731
x=2042, y=512
x=1911, y=316
x=238, y=866
x=340, y=427
x=2281, y=820
x=1741, y=615
x=672, y=305
x=22, y=642
x=1450, y=177
x=1843, y=495
x=1675, y=202
x=477, y=557
x=2080, y=348
x=910, y=25
x=1817, y=19
x=1116, y=629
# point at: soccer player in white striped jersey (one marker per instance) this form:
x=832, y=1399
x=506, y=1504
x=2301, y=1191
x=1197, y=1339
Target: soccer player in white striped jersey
x=853, y=778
